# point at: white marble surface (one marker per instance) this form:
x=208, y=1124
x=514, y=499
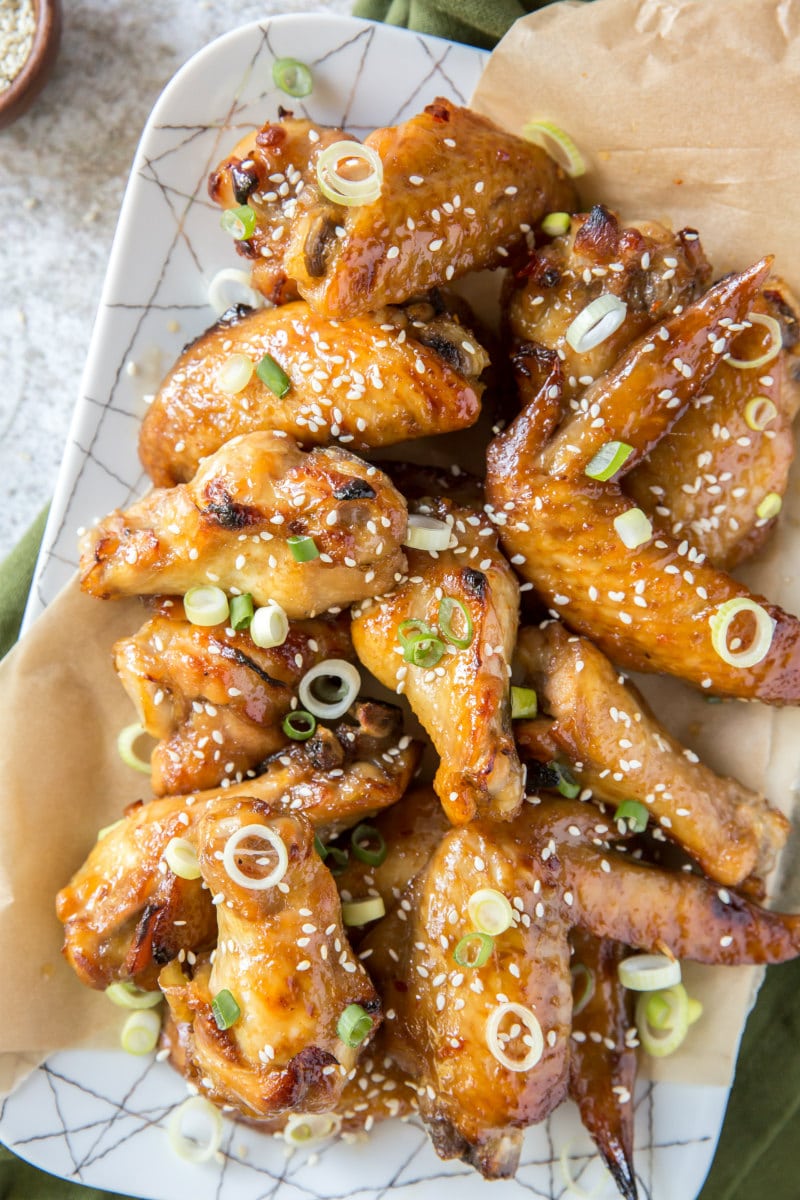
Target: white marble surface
x=63, y=168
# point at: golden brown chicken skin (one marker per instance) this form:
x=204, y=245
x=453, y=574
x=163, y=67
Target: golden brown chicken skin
x=213, y=698
x=369, y=381
x=459, y=194
x=125, y=914
x=231, y=527
x=602, y=1057
x=648, y=607
x=647, y=266
x=271, y=170
x=462, y=700
x=708, y=477
x=282, y=955
x=602, y=723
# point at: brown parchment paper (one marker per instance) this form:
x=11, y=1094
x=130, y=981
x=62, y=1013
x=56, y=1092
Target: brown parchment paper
x=687, y=110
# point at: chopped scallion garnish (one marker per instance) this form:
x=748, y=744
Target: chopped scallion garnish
x=303, y=548
x=242, y=610
x=206, y=605
x=473, y=950
x=341, y=187
x=608, y=460
x=336, y=859
x=320, y=847
x=360, y=840
x=225, y=1009
x=273, y=375
x=140, y=1032
x=354, y=1025
x=423, y=650
x=299, y=725
x=292, y=77
x=411, y=628
x=126, y=741
x=634, y=814
x=583, y=985
x=361, y=912
x=558, y=144
x=556, y=223
x=450, y=608
x=567, y=784
x=523, y=703
x=240, y=223
x=128, y=995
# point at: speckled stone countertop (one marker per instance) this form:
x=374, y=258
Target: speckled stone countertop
x=63, y=169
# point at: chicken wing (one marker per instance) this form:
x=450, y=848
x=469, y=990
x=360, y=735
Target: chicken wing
x=647, y=266
x=213, y=698
x=458, y=194
x=603, y=725
x=462, y=699
x=647, y=607
x=602, y=1058
x=282, y=955
x=233, y=523
x=709, y=476
x=125, y=914
x=369, y=381
x=270, y=170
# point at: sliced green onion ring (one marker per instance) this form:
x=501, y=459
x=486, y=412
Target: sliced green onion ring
x=240, y=222
x=269, y=626
x=206, y=605
x=347, y=691
x=292, y=77
x=584, y=978
x=193, y=1144
x=126, y=740
x=235, y=374
x=558, y=144
x=411, y=628
x=567, y=784
x=361, y=912
x=534, y=1037
x=634, y=814
x=320, y=847
x=695, y=1010
x=448, y=607
x=128, y=995
x=354, y=1025
x=721, y=621
x=665, y=1037
x=556, y=223
x=524, y=703
x=242, y=611
x=225, y=1010
x=474, y=950
x=425, y=650
x=426, y=533
x=772, y=351
x=299, y=725
x=634, y=528
x=769, y=507
x=181, y=858
x=304, y=1130
x=231, y=280
x=273, y=376
x=649, y=972
x=490, y=911
x=364, y=834
x=596, y=322
x=232, y=851
x=339, y=858
x=140, y=1032
x=303, y=547
x=608, y=460
x=338, y=187
x=759, y=412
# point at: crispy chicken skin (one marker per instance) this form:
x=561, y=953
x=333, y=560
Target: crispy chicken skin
x=463, y=701
x=283, y=955
x=119, y=910
x=599, y=256
x=647, y=608
x=605, y=725
x=707, y=477
x=369, y=381
x=458, y=195
x=602, y=1058
x=232, y=523
x=271, y=170
x=213, y=698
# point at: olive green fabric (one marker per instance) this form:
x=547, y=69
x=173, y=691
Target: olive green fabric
x=759, y=1150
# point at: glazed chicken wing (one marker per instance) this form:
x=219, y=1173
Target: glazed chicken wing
x=213, y=698
x=369, y=381
x=125, y=914
x=271, y=170
x=462, y=699
x=283, y=957
x=458, y=194
x=233, y=525
x=603, y=724
x=649, y=605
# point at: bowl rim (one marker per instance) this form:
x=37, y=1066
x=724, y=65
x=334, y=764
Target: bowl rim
x=46, y=25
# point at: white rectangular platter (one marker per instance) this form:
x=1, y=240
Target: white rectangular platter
x=100, y=1117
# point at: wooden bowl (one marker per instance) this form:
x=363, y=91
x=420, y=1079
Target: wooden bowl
x=26, y=86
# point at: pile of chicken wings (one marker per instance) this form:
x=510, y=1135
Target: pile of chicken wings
x=538, y=586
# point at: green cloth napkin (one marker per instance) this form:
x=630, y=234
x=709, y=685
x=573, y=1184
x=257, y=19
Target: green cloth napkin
x=758, y=1155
